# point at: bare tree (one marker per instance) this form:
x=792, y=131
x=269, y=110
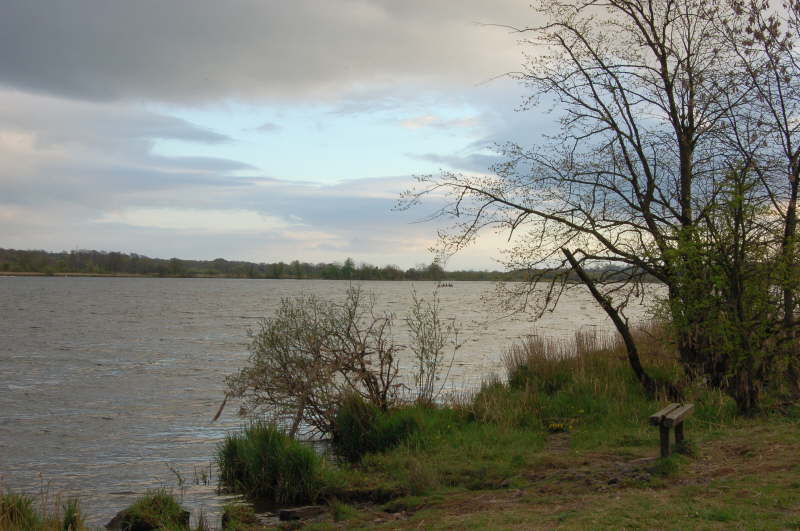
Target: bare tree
x=314, y=353
x=650, y=93
x=311, y=354
x=430, y=336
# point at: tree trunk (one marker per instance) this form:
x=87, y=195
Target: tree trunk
x=630, y=345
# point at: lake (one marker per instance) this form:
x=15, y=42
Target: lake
x=108, y=385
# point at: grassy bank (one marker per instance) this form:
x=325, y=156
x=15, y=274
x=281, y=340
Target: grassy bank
x=743, y=476
x=563, y=440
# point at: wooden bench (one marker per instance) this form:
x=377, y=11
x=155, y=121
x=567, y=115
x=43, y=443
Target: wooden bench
x=671, y=416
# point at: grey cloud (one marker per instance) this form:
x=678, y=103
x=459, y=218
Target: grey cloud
x=203, y=164
x=267, y=127
x=82, y=195
x=58, y=121
x=92, y=154
x=193, y=50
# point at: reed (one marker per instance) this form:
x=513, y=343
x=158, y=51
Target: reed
x=17, y=511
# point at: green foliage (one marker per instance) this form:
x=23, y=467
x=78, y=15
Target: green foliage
x=156, y=509
x=90, y=262
x=484, y=440
x=263, y=463
x=667, y=466
x=498, y=438
x=362, y=428
x=556, y=385
x=726, y=306
x=419, y=477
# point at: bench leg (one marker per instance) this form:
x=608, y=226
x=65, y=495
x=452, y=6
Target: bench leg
x=664, y=441
x=679, y=434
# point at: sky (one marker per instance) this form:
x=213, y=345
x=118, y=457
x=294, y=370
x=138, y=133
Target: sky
x=261, y=130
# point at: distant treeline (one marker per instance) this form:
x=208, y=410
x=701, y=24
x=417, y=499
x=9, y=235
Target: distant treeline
x=115, y=263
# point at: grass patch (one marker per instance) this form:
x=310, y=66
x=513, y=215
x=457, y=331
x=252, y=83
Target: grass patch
x=666, y=466
x=263, y=463
x=341, y=511
x=238, y=517
x=24, y=512
x=157, y=509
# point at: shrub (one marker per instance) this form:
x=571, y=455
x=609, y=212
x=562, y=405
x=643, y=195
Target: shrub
x=429, y=335
x=157, y=509
x=361, y=428
x=314, y=353
x=311, y=354
x=264, y=463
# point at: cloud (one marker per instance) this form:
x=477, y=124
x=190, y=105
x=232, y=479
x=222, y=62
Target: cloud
x=110, y=191
x=202, y=50
x=55, y=150
x=73, y=123
x=267, y=127
x=89, y=90
x=429, y=120
x=195, y=220
x=419, y=122
x=472, y=162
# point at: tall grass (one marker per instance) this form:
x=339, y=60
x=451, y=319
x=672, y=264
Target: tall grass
x=585, y=381
x=72, y=518
x=17, y=511
x=589, y=357
x=22, y=512
x=263, y=463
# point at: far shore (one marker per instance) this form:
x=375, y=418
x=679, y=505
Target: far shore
x=112, y=275
x=197, y=275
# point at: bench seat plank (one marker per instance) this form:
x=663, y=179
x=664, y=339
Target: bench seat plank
x=677, y=415
x=656, y=418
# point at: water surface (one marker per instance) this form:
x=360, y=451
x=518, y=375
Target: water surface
x=108, y=385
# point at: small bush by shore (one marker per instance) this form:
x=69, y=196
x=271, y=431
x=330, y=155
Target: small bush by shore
x=361, y=428
x=157, y=509
x=263, y=463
